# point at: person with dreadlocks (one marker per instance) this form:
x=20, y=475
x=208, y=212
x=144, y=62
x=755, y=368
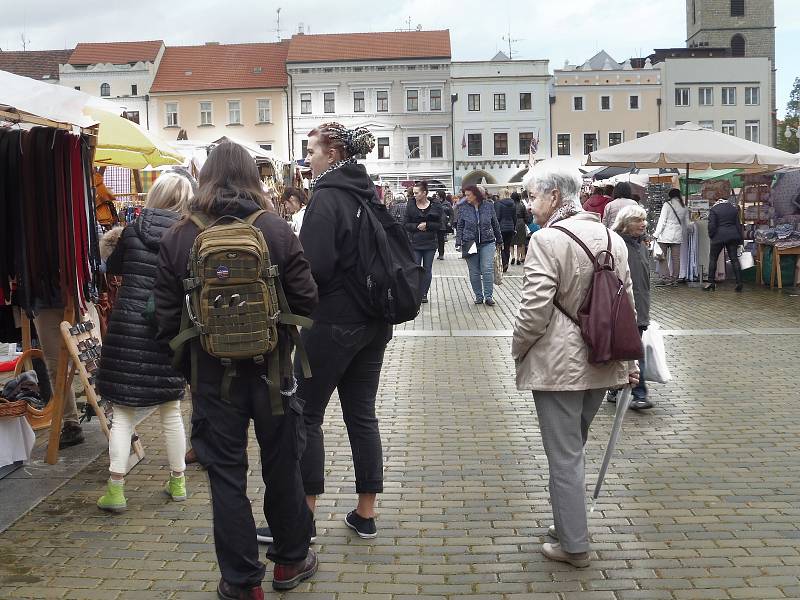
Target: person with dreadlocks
x=345, y=346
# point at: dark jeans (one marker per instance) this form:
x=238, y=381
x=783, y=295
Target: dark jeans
x=733, y=255
x=220, y=436
x=441, y=236
x=349, y=358
x=507, y=237
x=425, y=258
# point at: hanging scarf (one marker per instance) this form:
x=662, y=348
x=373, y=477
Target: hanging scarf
x=569, y=209
x=333, y=167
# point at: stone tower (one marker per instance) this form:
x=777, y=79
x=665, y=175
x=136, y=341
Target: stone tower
x=747, y=27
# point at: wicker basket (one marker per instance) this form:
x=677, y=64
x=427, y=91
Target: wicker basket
x=38, y=419
x=13, y=408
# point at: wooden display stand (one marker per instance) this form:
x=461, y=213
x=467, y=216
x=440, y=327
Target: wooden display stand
x=84, y=355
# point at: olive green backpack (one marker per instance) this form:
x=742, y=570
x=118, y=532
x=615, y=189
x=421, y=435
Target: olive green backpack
x=235, y=301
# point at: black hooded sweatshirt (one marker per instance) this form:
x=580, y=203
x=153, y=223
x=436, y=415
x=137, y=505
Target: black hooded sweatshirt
x=329, y=242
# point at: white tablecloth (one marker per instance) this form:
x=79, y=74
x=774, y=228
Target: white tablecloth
x=16, y=440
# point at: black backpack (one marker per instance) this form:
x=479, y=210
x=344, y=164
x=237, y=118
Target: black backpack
x=385, y=282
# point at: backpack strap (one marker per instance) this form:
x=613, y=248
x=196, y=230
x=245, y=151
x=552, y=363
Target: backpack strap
x=201, y=220
x=251, y=220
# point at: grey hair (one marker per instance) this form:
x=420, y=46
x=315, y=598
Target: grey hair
x=626, y=215
x=555, y=174
x=171, y=191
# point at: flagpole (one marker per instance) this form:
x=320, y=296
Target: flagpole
x=453, y=100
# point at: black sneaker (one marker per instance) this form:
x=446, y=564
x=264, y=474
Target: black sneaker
x=478, y=300
x=490, y=302
x=365, y=528
x=264, y=534
x=641, y=403
x=71, y=435
x=611, y=396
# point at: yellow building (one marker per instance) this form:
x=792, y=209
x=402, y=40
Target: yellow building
x=603, y=103
x=216, y=90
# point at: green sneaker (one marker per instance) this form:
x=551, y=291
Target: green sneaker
x=176, y=488
x=114, y=498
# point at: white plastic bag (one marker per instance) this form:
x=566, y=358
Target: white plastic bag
x=658, y=251
x=655, y=356
x=745, y=258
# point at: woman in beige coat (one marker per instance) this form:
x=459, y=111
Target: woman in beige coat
x=549, y=353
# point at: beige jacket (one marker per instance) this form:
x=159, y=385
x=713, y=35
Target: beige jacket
x=548, y=350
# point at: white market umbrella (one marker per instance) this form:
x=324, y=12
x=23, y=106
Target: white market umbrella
x=694, y=147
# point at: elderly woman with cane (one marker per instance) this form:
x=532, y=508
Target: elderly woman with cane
x=550, y=356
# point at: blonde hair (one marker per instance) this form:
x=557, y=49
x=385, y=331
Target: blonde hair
x=626, y=215
x=170, y=192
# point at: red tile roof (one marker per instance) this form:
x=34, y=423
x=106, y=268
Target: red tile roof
x=222, y=67
x=116, y=53
x=369, y=46
x=36, y=64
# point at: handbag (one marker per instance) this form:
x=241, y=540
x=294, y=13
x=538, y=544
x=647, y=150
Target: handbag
x=498, y=267
x=655, y=362
x=745, y=258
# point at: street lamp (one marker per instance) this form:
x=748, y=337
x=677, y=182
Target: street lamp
x=791, y=130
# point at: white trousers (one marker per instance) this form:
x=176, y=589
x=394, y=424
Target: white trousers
x=119, y=445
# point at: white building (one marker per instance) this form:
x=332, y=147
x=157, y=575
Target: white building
x=394, y=83
x=502, y=105
x=118, y=71
x=724, y=93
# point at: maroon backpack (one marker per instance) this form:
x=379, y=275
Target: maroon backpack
x=606, y=318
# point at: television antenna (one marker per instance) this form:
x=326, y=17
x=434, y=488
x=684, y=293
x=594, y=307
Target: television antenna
x=511, y=41
x=278, y=24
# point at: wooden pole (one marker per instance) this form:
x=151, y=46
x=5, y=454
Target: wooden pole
x=63, y=379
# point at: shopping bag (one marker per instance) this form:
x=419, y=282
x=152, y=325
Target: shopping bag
x=498, y=267
x=658, y=251
x=655, y=361
x=745, y=258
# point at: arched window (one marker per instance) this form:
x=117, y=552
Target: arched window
x=737, y=8
x=737, y=45
x=105, y=89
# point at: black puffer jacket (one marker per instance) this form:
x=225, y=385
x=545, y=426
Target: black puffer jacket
x=506, y=215
x=135, y=369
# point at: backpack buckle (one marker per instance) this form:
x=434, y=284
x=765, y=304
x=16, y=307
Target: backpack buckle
x=272, y=271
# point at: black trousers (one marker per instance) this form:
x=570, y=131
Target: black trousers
x=220, y=436
x=507, y=237
x=733, y=255
x=440, y=237
x=348, y=358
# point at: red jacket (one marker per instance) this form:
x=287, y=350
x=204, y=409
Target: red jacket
x=596, y=203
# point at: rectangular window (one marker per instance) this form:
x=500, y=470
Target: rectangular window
x=564, y=144
x=641, y=134
x=171, y=109
x=134, y=89
x=752, y=96
x=614, y=138
x=577, y=103
x=589, y=142
x=304, y=148
x=437, y=146
x=633, y=102
x=413, y=147
x=681, y=96
x=206, y=113
x=234, y=112
x=383, y=148
x=706, y=96
x=729, y=127
x=436, y=99
x=605, y=102
x=265, y=146
x=752, y=131
x=412, y=100
x=499, y=101
x=525, y=139
x=473, y=102
x=358, y=101
x=329, y=102
x=728, y=96
x=474, y=144
x=132, y=115
x=305, y=104
x=501, y=144
x=77, y=87
x=737, y=8
x=382, y=100
x=525, y=101
x=264, y=106
x=706, y=124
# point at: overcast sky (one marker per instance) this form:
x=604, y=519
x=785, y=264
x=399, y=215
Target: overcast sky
x=557, y=30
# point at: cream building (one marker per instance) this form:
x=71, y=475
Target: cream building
x=602, y=103
x=215, y=90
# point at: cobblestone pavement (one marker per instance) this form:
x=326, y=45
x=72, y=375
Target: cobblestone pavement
x=702, y=500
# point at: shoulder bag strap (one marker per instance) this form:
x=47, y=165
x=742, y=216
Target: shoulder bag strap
x=675, y=212
x=589, y=253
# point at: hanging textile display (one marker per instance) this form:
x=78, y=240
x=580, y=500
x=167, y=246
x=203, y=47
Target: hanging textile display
x=48, y=229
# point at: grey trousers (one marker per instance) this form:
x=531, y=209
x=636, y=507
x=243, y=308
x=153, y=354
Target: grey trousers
x=564, y=420
x=48, y=328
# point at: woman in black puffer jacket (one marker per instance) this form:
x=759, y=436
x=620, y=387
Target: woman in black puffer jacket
x=135, y=370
